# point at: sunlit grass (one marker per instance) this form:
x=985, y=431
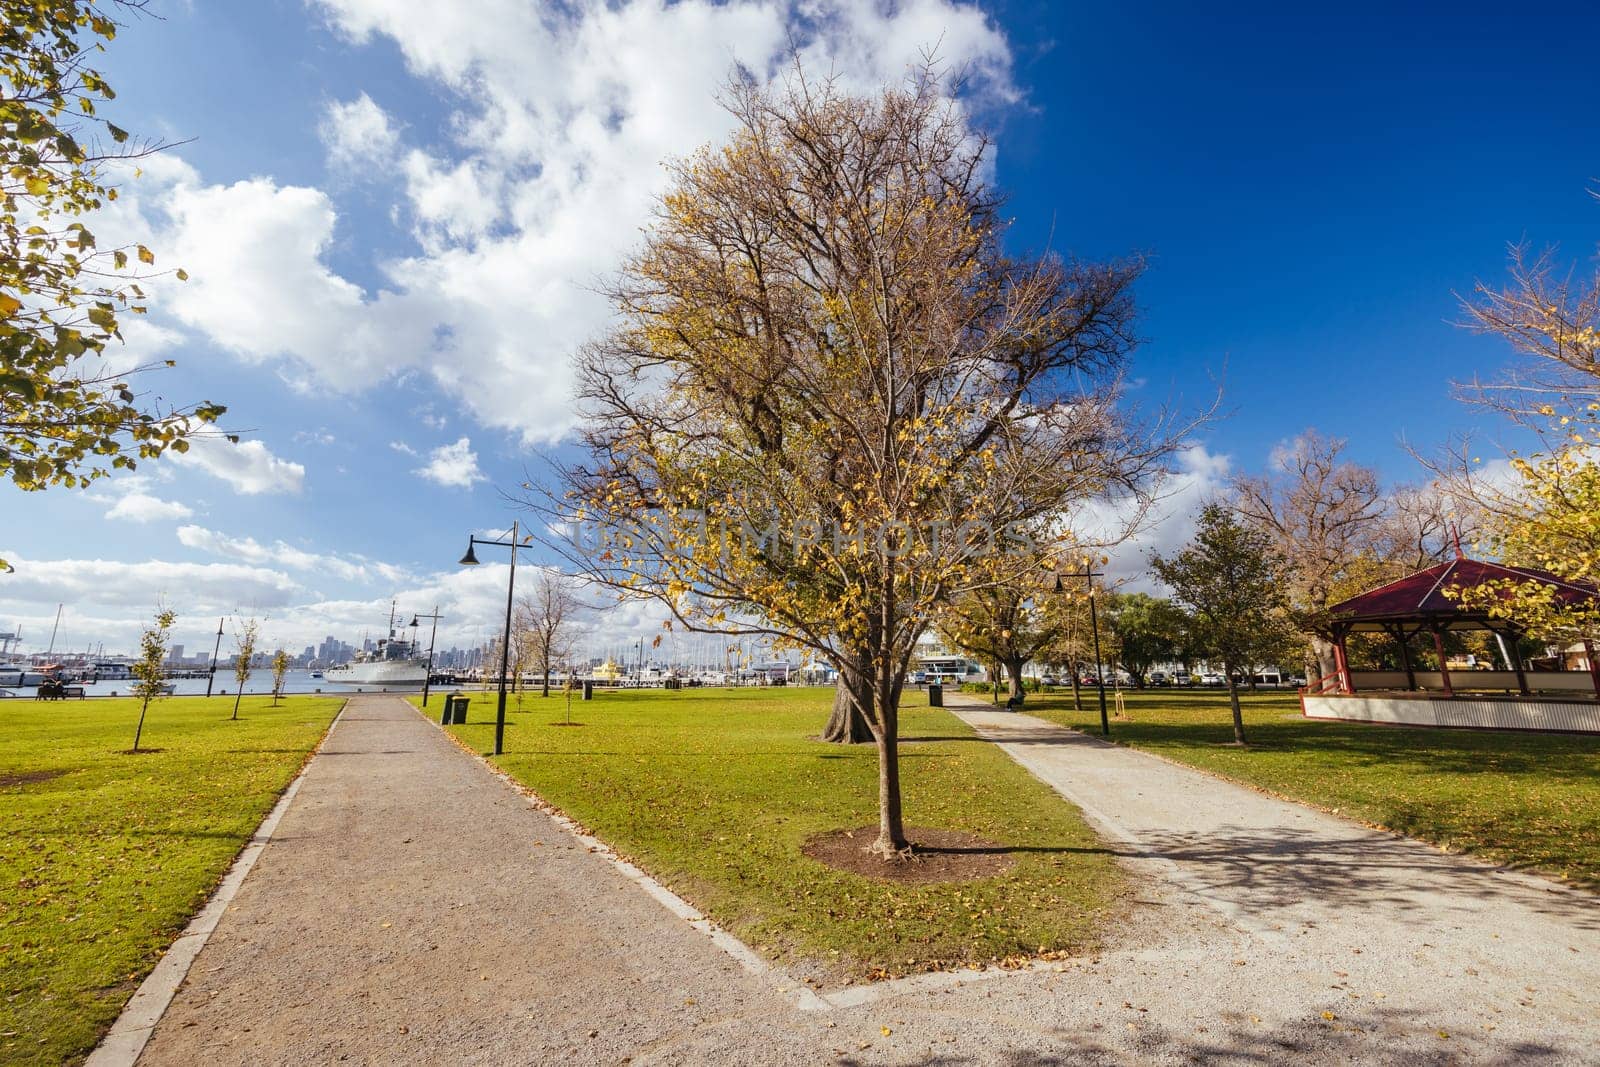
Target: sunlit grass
x=1525, y=799
x=104, y=856
x=714, y=792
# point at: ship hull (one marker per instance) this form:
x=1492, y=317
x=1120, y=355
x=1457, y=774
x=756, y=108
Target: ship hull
x=390, y=674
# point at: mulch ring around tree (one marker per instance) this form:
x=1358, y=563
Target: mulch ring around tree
x=936, y=855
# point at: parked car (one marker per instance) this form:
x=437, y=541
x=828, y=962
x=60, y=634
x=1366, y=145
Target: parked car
x=1212, y=681
x=1157, y=678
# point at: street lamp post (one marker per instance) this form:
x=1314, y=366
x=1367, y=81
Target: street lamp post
x=212, y=677
x=1089, y=574
x=433, y=632
x=471, y=560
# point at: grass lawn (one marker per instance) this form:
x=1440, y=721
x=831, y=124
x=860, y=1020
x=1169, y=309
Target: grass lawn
x=714, y=791
x=1529, y=800
x=104, y=856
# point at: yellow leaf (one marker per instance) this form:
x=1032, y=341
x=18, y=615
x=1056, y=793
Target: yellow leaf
x=145, y=255
x=9, y=305
x=886, y=1031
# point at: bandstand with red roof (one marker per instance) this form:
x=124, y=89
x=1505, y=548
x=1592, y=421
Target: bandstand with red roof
x=1418, y=607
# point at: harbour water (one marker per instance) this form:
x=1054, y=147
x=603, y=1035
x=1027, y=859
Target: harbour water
x=260, y=681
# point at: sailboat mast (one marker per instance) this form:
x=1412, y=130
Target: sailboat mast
x=51, y=650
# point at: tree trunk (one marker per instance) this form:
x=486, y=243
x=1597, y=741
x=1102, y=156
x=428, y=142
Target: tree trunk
x=1077, y=693
x=236, y=698
x=1014, y=689
x=891, y=841
x=1322, y=651
x=140, y=728
x=545, y=667
x=1238, y=716
x=846, y=726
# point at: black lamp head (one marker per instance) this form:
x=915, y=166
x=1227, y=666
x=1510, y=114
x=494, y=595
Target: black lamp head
x=471, y=558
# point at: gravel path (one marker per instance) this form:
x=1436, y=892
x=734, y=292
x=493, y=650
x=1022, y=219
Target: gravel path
x=413, y=908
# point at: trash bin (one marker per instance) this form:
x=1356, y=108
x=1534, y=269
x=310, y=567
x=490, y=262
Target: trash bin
x=935, y=695
x=588, y=689
x=449, y=709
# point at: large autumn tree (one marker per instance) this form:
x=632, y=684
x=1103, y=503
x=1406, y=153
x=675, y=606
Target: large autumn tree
x=1546, y=515
x=825, y=368
x=65, y=417
x=1322, y=512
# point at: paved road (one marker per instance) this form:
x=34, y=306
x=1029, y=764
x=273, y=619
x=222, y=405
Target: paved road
x=415, y=909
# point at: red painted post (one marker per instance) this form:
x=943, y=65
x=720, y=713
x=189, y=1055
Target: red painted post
x=1444, y=671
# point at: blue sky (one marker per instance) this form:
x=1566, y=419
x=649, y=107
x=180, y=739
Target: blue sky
x=392, y=209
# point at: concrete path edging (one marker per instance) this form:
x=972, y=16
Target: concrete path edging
x=125, y=1041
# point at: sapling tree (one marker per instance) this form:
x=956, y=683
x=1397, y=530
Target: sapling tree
x=245, y=643
x=280, y=667
x=546, y=618
x=150, y=670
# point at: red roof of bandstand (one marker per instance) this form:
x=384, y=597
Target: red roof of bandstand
x=1422, y=597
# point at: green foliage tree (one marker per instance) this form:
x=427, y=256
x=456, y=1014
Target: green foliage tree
x=64, y=420
x=280, y=667
x=1232, y=580
x=1148, y=630
x=245, y=642
x=149, y=671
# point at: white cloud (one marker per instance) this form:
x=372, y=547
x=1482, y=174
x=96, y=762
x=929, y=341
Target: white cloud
x=552, y=159
x=1168, y=524
x=454, y=465
x=358, y=135
x=259, y=287
x=99, y=584
x=142, y=507
x=248, y=466
x=402, y=448
x=284, y=554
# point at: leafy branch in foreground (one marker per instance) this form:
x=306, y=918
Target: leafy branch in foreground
x=65, y=418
